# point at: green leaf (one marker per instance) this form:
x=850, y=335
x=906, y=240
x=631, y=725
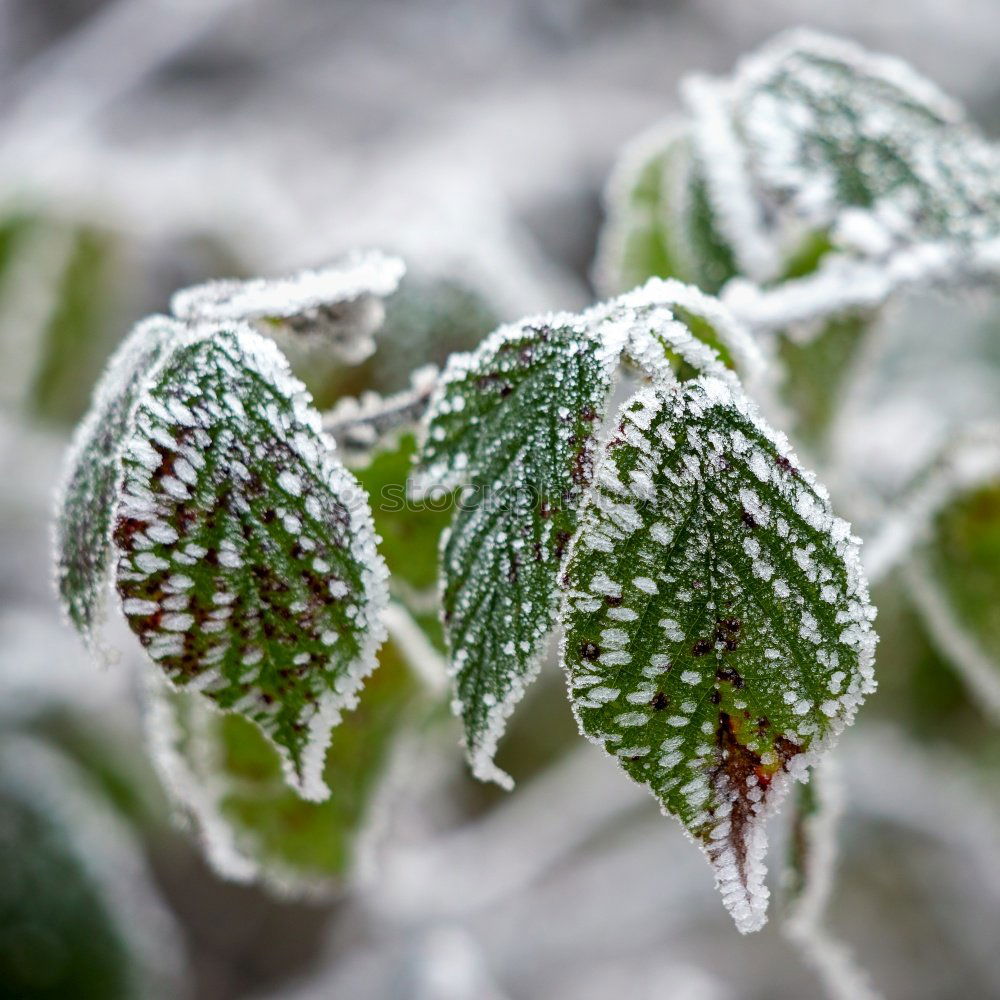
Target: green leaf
x=808, y=880
x=516, y=422
x=829, y=127
x=78, y=914
x=955, y=585
x=812, y=845
x=55, y=915
x=246, y=558
x=816, y=372
x=75, y=338
x=660, y=221
x=817, y=147
x=717, y=624
x=83, y=509
x=410, y=530
x=222, y=772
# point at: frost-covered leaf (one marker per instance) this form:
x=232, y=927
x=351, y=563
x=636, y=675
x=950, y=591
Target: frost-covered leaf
x=814, y=138
x=516, y=422
x=812, y=847
x=246, y=558
x=341, y=304
x=79, y=916
x=839, y=139
x=660, y=222
x=944, y=534
x=808, y=880
x=717, y=624
x=83, y=511
x=954, y=576
x=820, y=176
x=227, y=779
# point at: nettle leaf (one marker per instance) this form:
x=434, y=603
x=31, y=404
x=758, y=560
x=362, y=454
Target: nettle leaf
x=83, y=509
x=339, y=306
x=717, y=624
x=246, y=557
x=516, y=423
x=221, y=773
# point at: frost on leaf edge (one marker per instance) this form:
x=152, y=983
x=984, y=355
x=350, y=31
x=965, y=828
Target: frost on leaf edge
x=231, y=299
x=756, y=894
x=274, y=367
x=108, y=388
x=630, y=325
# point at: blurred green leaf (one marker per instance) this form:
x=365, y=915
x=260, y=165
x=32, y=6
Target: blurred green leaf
x=229, y=778
x=660, y=220
x=815, y=374
x=410, y=529
x=57, y=938
x=78, y=333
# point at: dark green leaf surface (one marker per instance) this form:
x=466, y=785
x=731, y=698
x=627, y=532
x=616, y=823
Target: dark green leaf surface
x=515, y=420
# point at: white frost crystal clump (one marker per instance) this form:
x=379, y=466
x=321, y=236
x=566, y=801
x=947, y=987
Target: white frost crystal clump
x=341, y=304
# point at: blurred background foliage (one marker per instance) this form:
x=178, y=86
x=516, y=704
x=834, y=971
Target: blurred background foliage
x=147, y=145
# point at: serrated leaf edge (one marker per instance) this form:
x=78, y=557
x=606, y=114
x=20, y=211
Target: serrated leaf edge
x=308, y=782
x=109, y=386
x=756, y=892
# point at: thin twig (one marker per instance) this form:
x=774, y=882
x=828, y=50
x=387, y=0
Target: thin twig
x=359, y=425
